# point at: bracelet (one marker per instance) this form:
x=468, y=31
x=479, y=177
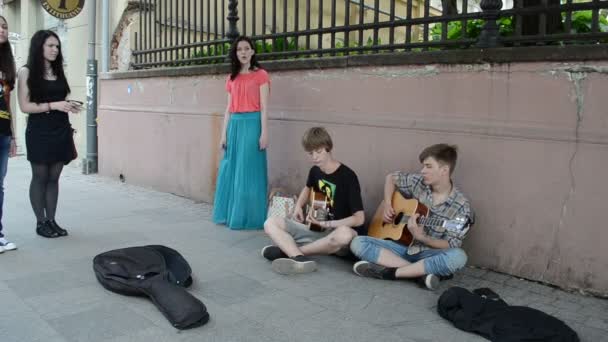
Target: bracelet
x=48, y=105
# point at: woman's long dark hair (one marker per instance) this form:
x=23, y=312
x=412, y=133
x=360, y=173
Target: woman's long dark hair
x=7, y=61
x=235, y=64
x=35, y=62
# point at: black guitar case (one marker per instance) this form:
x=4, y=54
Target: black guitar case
x=483, y=312
x=157, y=272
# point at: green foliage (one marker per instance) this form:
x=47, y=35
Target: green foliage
x=268, y=46
x=581, y=22
x=474, y=27
x=279, y=45
x=354, y=44
x=220, y=51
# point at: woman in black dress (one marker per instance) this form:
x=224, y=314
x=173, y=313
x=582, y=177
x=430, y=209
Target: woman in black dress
x=43, y=89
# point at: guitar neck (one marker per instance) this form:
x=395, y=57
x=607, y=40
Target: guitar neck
x=432, y=222
x=426, y=221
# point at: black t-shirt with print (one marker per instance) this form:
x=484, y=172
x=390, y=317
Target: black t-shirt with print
x=5, y=116
x=341, y=189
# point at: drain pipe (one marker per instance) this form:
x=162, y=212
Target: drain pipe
x=89, y=164
x=105, y=35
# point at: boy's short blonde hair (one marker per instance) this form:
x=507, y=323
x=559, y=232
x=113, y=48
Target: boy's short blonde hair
x=315, y=138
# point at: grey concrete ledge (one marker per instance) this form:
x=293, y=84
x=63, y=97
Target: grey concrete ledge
x=464, y=56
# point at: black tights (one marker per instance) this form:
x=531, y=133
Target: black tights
x=44, y=190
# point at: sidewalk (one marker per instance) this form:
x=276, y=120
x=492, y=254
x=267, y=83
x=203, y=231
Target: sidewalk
x=48, y=291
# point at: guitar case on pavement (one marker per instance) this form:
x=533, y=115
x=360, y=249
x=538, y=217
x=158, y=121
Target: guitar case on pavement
x=483, y=312
x=157, y=272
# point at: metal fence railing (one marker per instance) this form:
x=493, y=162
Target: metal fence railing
x=186, y=32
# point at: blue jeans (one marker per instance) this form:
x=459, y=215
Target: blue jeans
x=436, y=261
x=5, y=145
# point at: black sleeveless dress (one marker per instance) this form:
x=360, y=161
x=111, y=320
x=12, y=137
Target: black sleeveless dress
x=49, y=136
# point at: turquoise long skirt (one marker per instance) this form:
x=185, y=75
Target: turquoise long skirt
x=242, y=181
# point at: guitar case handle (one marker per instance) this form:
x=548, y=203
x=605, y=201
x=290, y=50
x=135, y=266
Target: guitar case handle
x=182, y=309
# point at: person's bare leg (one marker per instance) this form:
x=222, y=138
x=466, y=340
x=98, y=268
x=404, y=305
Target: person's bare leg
x=405, y=269
x=332, y=243
x=387, y=258
x=414, y=270
x=275, y=229
x=390, y=266
x=296, y=262
x=385, y=267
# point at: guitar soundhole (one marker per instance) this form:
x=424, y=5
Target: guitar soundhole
x=397, y=218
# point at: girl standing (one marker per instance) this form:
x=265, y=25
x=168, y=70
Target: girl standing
x=7, y=125
x=43, y=89
x=242, y=181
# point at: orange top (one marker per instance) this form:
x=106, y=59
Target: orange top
x=245, y=91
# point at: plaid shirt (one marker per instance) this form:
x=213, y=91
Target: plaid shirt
x=411, y=185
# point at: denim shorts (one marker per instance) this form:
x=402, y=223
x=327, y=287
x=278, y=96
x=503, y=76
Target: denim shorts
x=436, y=261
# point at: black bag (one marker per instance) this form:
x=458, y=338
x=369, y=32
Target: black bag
x=157, y=272
x=484, y=313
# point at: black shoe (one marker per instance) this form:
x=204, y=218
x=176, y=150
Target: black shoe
x=369, y=270
x=448, y=277
x=296, y=265
x=272, y=253
x=430, y=281
x=44, y=229
x=60, y=231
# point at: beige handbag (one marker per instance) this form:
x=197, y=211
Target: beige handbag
x=280, y=204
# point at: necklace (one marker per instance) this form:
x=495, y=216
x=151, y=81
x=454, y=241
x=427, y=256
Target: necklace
x=49, y=74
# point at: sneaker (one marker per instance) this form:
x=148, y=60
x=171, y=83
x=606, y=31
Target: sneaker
x=272, y=253
x=368, y=269
x=296, y=265
x=430, y=281
x=6, y=245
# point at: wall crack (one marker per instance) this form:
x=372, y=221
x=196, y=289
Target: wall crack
x=576, y=75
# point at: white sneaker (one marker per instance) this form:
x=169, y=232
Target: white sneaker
x=430, y=281
x=5, y=245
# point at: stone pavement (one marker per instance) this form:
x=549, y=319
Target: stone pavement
x=48, y=291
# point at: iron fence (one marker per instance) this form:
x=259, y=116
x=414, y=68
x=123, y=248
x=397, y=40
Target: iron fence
x=186, y=32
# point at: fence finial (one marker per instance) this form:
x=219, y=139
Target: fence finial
x=233, y=17
x=489, y=36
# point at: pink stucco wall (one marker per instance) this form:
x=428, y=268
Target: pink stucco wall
x=533, y=141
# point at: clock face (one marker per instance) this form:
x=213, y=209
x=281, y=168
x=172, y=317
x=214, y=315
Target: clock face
x=63, y=9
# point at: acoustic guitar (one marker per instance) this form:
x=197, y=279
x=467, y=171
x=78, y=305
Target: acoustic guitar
x=404, y=209
x=318, y=207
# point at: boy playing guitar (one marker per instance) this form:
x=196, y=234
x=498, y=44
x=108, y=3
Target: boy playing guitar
x=435, y=251
x=327, y=230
